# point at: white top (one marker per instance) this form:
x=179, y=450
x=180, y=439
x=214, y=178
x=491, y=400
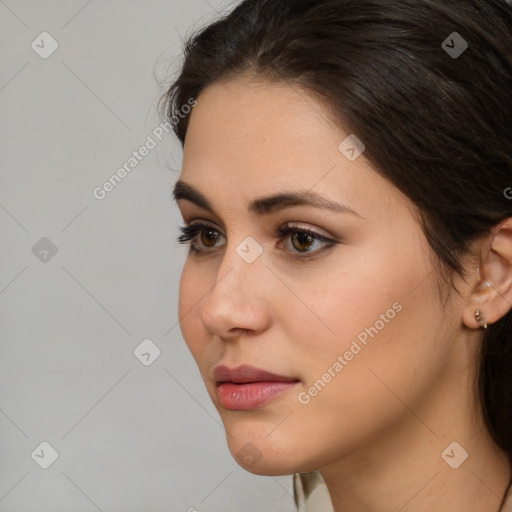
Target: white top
x=311, y=494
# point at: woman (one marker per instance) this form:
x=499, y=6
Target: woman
x=347, y=196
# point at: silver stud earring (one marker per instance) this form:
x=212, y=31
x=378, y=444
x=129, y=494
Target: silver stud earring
x=480, y=318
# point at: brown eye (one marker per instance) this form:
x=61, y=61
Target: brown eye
x=302, y=241
x=209, y=237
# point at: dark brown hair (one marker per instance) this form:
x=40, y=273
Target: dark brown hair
x=435, y=124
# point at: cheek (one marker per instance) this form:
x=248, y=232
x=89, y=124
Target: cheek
x=347, y=298
x=379, y=338
x=379, y=311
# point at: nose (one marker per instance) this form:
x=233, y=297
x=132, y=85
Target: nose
x=238, y=301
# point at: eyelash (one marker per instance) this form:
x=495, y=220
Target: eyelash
x=190, y=231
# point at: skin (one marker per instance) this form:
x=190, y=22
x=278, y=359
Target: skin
x=376, y=431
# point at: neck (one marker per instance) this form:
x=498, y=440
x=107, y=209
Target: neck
x=405, y=470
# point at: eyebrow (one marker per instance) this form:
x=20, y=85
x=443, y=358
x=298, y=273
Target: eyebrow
x=264, y=205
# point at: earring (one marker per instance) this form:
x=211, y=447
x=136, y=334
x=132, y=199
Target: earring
x=480, y=318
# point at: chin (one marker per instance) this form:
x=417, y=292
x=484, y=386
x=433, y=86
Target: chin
x=264, y=463
x=267, y=455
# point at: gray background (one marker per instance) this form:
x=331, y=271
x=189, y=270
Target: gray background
x=129, y=437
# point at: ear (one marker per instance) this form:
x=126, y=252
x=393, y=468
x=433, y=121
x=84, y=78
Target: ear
x=492, y=292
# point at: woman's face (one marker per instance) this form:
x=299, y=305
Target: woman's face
x=350, y=331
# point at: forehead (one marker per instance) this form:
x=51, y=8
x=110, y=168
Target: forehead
x=245, y=109
x=251, y=131
x=250, y=139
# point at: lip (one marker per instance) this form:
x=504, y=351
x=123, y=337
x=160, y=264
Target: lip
x=246, y=387
x=245, y=374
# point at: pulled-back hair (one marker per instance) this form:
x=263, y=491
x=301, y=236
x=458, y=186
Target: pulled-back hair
x=436, y=124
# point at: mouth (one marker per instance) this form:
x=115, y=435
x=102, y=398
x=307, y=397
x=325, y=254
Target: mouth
x=246, y=388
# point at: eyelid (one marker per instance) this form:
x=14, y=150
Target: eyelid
x=299, y=227
x=291, y=225
x=282, y=230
